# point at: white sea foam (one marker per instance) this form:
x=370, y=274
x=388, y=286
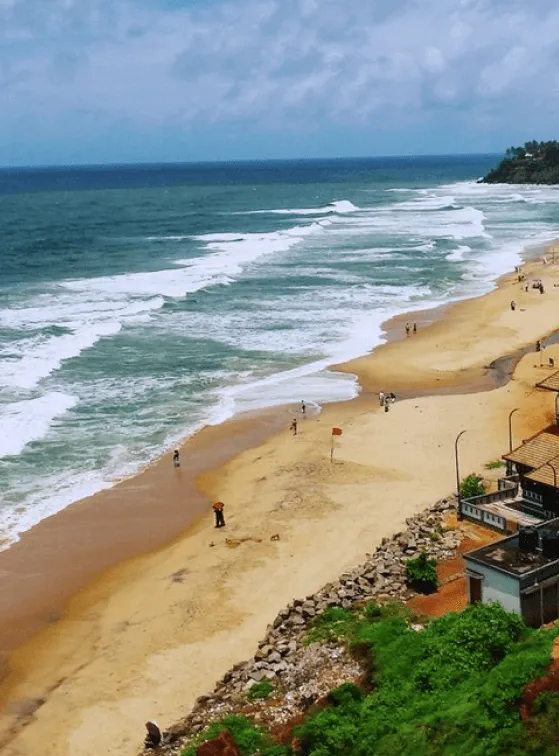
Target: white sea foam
x=68, y=311
x=63, y=489
x=46, y=356
x=341, y=207
x=26, y=362
x=30, y=420
x=427, y=247
x=335, y=290
x=458, y=253
x=231, y=253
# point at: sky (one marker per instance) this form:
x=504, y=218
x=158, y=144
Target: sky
x=112, y=81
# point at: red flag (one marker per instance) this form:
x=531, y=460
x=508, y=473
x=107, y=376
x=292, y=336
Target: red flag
x=336, y=431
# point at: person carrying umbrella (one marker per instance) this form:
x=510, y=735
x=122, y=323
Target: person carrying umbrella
x=218, y=511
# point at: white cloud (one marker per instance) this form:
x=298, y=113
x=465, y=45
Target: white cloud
x=306, y=62
x=434, y=60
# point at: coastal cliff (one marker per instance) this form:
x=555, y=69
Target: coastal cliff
x=534, y=163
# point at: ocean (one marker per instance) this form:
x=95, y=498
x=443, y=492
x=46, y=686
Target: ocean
x=138, y=304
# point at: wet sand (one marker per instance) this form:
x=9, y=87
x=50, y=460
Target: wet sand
x=64, y=552
x=148, y=635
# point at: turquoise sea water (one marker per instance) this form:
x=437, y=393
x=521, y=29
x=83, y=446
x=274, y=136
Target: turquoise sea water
x=138, y=304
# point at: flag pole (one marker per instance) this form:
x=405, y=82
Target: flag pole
x=335, y=432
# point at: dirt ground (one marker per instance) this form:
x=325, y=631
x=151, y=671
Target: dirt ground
x=452, y=595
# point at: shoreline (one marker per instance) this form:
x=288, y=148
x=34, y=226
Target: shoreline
x=68, y=541
x=391, y=329
x=59, y=538
x=236, y=440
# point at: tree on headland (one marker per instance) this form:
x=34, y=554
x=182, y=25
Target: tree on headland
x=533, y=163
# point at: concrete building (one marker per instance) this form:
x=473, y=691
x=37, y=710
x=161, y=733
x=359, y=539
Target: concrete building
x=520, y=572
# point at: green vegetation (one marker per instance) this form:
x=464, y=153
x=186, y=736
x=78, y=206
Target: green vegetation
x=498, y=463
x=248, y=738
x=331, y=625
x=421, y=574
x=471, y=486
x=450, y=689
x=535, y=163
x=260, y=690
x=545, y=729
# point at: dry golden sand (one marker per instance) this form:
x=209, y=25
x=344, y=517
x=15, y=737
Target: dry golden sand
x=149, y=636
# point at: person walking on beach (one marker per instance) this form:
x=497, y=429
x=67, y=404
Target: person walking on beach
x=218, y=511
x=415, y=327
x=538, y=346
x=176, y=458
x=293, y=426
x=303, y=408
x=381, y=398
x=526, y=287
x=392, y=397
x=386, y=406
x=407, y=329
x=513, y=305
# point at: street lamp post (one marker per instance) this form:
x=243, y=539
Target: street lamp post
x=458, y=437
x=509, y=463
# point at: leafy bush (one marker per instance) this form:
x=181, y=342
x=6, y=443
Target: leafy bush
x=471, y=486
x=421, y=574
x=373, y=611
x=345, y=694
x=260, y=690
x=495, y=465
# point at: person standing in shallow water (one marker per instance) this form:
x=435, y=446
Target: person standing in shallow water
x=176, y=458
x=407, y=329
x=303, y=408
x=219, y=517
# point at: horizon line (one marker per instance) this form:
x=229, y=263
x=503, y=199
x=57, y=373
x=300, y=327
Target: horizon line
x=235, y=161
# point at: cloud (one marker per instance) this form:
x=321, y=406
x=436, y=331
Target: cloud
x=297, y=64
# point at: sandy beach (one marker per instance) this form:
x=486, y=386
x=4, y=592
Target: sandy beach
x=108, y=624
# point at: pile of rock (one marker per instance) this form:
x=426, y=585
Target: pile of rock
x=302, y=675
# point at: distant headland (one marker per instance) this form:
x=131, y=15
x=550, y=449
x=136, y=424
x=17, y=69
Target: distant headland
x=535, y=163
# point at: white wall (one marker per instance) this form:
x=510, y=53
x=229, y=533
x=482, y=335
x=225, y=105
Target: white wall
x=498, y=587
